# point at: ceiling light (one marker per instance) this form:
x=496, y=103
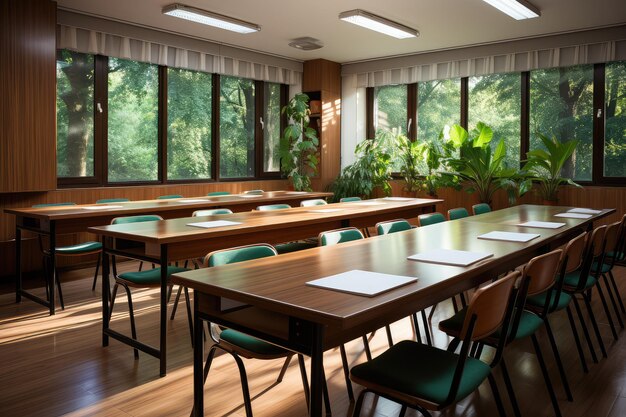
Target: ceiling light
x=306, y=43
x=379, y=24
x=210, y=19
x=517, y=9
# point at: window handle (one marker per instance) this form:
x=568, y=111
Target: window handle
x=262, y=123
x=408, y=125
x=599, y=114
x=99, y=107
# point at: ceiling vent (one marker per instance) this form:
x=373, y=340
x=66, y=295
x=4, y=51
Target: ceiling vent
x=306, y=43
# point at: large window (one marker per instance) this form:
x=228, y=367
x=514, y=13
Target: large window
x=75, y=122
x=271, y=127
x=438, y=105
x=561, y=104
x=188, y=124
x=496, y=100
x=390, y=116
x=132, y=121
x=615, y=116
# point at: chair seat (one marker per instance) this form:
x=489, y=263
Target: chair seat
x=421, y=371
x=150, y=277
x=539, y=300
x=86, y=247
x=294, y=246
x=605, y=268
x=617, y=255
x=251, y=344
x=529, y=324
x=571, y=281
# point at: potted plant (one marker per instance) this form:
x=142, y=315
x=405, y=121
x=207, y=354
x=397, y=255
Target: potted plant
x=482, y=168
x=544, y=166
x=298, y=145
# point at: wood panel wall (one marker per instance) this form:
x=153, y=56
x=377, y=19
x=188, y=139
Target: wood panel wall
x=28, y=95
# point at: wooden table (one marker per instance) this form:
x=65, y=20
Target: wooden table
x=170, y=240
x=57, y=220
x=285, y=311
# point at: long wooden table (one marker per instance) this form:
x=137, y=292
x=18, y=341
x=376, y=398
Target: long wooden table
x=57, y=220
x=170, y=240
x=283, y=310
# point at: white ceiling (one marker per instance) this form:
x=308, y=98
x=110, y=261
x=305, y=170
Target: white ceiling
x=443, y=24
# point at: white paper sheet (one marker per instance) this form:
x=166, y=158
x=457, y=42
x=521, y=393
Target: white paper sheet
x=584, y=211
x=450, y=257
x=250, y=195
x=193, y=200
x=324, y=211
x=358, y=282
x=509, y=236
x=398, y=198
x=214, y=223
x=542, y=225
x=102, y=207
x=573, y=215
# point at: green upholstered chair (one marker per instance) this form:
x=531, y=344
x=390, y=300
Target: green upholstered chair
x=349, y=199
x=333, y=237
x=481, y=208
x=615, y=255
x=314, y=202
x=392, y=226
x=142, y=279
x=239, y=344
x=430, y=218
x=218, y=193
x=167, y=197
x=112, y=200
x=211, y=212
x=79, y=249
x=270, y=207
x=457, y=213
x=259, y=192
x=539, y=277
x=428, y=378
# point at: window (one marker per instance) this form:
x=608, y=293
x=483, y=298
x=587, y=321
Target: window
x=561, y=104
x=236, y=127
x=271, y=127
x=496, y=100
x=75, y=120
x=188, y=124
x=438, y=105
x=132, y=121
x=390, y=118
x=615, y=115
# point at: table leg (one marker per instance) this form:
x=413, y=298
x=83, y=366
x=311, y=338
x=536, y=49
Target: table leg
x=106, y=270
x=317, y=370
x=163, y=320
x=198, y=359
x=18, y=263
x=53, y=268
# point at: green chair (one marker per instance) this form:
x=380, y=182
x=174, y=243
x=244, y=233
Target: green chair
x=457, y=213
x=271, y=207
x=218, y=193
x=167, y=197
x=239, y=344
x=539, y=277
x=211, y=212
x=426, y=378
x=142, y=279
x=392, y=226
x=80, y=249
x=314, y=202
x=349, y=199
x=430, y=218
x=481, y=208
x=616, y=256
x=112, y=200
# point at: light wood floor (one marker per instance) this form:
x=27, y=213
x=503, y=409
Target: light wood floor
x=56, y=366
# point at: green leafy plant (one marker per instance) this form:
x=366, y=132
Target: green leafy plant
x=371, y=170
x=298, y=145
x=482, y=168
x=544, y=166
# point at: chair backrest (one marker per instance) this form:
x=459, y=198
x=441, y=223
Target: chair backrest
x=333, y=237
x=349, y=199
x=457, y=213
x=595, y=244
x=216, y=193
x=254, y=192
x=611, y=237
x=211, y=212
x=392, y=226
x=481, y=208
x=52, y=205
x=136, y=219
x=541, y=271
x=573, y=255
x=112, y=200
x=167, y=197
x=271, y=207
x=314, y=202
x=239, y=254
x=430, y=218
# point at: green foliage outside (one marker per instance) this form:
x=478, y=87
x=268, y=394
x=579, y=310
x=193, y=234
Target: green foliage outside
x=236, y=127
x=615, y=116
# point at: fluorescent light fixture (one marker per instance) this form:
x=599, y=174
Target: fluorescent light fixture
x=210, y=19
x=517, y=9
x=379, y=24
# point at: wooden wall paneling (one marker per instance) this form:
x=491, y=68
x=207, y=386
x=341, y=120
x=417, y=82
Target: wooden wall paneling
x=28, y=99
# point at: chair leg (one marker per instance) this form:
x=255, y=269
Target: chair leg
x=113, y=296
x=133, y=329
x=581, y=319
x=389, y=336
x=283, y=369
x=496, y=395
x=189, y=314
x=509, y=388
x=346, y=372
x=617, y=294
x=559, y=362
x=594, y=323
x=416, y=328
x=359, y=403
x=326, y=396
x=606, y=309
x=609, y=291
x=60, y=291
x=209, y=361
x=579, y=348
x=546, y=376
x=305, y=380
x=366, y=345
x=432, y=313
x=95, y=276
x=244, y=385
x=402, y=412
x=180, y=290
x=429, y=339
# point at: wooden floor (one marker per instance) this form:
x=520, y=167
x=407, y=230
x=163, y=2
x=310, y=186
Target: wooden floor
x=56, y=366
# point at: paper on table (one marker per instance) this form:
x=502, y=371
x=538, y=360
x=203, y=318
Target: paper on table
x=398, y=198
x=297, y=192
x=584, y=211
x=324, y=211
x=542, y=225
x=450, y=257
x=250, y=195
x=509, y=236
x=358, y=282
x=215, y=223
x=102, y=207
x=573, y=215
x=193, y=200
